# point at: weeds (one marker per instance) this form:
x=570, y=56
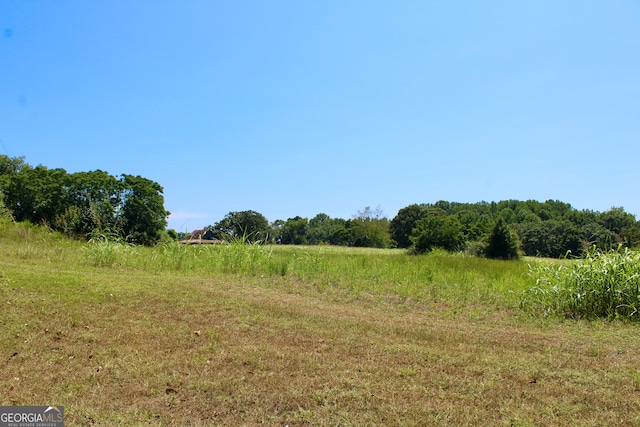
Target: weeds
x=603, y=285
x=107, y=251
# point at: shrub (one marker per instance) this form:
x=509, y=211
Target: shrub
x=475, y=248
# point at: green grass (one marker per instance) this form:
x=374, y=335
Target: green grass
x=393, y=274
x=603, y=285
x=250, y=335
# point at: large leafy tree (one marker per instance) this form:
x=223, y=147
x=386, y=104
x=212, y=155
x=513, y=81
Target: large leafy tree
x=320, y=228
x=437, y=230
x=9, y=167
x=632, y=235
x=617, y=220
x=476, y=224
x=294, y=231
x=249, y=225
x=402, y=225
x=85, y=202
x=36, y=194
x=370, y=228
x=551, y=238
x=143, y=214
x=94, y=199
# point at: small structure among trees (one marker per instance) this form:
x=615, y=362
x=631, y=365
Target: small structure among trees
x=199, y=237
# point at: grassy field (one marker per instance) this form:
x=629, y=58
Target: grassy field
x=251, y=335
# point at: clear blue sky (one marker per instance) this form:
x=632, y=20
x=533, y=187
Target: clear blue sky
x=301, y=107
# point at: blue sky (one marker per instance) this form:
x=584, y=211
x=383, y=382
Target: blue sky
x=300, y=107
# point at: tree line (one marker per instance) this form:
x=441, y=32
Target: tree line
x=84, y=204
x=368, y=228
x=547, y=229
x=505, y=229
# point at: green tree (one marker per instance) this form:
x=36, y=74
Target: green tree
x=340, y=234
x=402, y=225
x=9, y=166
x=437, y=230
x=369, y=228
x=502, y=242
x=600, y=237
x=94, y=198
x=617, y=220
x=551, y=238
x=476, y=221
x=320, y=228
x=36, y=194
x=294, y=231
x=5, y=214
x=143, y=215
x=250, y=225
x=631, y=235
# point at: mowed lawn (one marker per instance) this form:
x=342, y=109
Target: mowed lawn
x=124, y=346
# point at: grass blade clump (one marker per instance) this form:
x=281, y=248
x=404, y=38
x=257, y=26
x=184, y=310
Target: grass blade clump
x=240, y=256
x=104, y=251
x=603, y=285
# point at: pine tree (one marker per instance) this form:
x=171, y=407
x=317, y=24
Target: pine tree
x=503, y=243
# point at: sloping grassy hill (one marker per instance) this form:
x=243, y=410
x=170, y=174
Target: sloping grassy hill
x=295, y=336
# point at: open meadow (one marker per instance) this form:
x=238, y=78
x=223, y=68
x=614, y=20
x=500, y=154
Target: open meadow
x=263, y=335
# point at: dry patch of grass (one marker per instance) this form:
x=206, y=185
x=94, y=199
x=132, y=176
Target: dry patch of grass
x=126, y=348
x=123, y=347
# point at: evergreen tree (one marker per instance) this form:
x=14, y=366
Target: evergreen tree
x=502, y=242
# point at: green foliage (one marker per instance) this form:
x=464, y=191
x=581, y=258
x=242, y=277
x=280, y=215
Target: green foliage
x=36, y=194
x=242, y=256
x=551, y=238
x=5, y=214
x=321, y=229
x=293, y=232
x=476, y=248
x=548, y=229
x=603, y=285
x=617, y=220
x=502, y=242
x=249, y=225
x=389, y=274
x=94, y=199
x=85, y=203
x=369, y=228
x=402, y=225
x=8, y=168
x=143, y=215
x=631, y=236
x=340, y=234
x=437, y=230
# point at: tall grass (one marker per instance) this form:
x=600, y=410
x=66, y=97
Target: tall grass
x=235, y=257
x=32, y=242
x=105, y=251
x=603, y=285
x=390, y=274
x=438, y=276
